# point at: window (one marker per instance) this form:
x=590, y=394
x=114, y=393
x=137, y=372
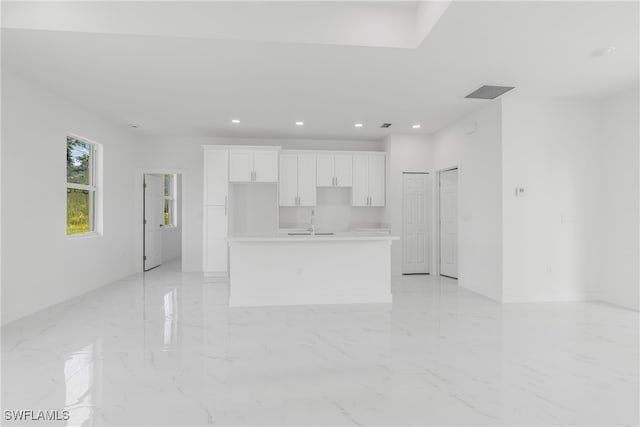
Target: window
x=81, y=186
x=170, y=200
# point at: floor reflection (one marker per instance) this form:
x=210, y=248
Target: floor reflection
x=83, y=374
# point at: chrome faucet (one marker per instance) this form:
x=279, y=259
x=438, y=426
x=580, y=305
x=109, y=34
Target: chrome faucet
x=312, y=228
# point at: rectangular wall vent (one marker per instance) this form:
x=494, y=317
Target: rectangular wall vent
x=489, y=92
x=386, y=125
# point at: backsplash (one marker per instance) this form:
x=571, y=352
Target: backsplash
x=333, y=212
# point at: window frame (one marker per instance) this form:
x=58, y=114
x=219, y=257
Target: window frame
x=94, y=188
x=173, y=182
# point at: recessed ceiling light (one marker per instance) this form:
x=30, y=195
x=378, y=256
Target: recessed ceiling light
x=603, y=51
x=358, y=125
x=416, y=126
x=299, y=123
x=235, y=121
x=134, y=125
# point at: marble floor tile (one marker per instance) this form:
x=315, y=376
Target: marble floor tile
x=164, y=348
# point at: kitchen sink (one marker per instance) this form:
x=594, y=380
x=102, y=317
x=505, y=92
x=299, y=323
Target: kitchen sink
x=309, y=234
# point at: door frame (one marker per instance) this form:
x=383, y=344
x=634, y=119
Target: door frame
x=436, y=222
x=428, y=226
x=139, y=211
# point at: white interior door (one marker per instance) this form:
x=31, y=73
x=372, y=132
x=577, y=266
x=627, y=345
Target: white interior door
x=153, y=220
x=415, y=228
x=449, y=223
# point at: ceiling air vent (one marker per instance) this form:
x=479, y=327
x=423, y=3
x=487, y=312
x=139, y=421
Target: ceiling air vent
x=386, y=125
x=489, y=92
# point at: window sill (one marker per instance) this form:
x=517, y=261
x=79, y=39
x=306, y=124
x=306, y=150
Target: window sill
x=80, y=236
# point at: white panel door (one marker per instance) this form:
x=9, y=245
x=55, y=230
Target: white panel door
x=449, y=223
x=343, y=169
x=216, y=176
x=360, y=191
x=240, y=165
x=288, y=184
x=265, y=166
x=325, y=175
x=415, y=249
x=376, y=180
x=307, y=179
x=215, y=234
x=153, y=220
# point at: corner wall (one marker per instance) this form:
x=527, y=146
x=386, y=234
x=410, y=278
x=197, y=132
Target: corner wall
x=474, y=145
x=620, y=193
x=551, y=149
x=41, y=266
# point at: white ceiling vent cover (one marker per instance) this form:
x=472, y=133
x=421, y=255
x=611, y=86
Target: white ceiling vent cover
x=489, y=92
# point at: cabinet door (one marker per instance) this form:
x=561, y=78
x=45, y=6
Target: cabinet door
x=376, y=180
x=360, y=191
x=288, y=183
x=307, y=179
x=265, y=165
x=240, y=165
x=325, y=173
x=215, y=235
x=343, y=166
x=216, y=177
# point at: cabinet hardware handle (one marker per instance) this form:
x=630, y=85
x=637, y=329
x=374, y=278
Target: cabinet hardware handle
x=225, y=205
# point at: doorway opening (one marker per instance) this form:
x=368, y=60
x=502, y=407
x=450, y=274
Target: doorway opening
x=416, y=223
x=162, y=219
x=447, y=211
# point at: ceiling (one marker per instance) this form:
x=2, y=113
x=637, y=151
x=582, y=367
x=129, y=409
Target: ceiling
x=189, y=68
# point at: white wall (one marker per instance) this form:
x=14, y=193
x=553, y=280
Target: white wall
x=551, y=148
x=172, y=236
x=619, y=279
x=185, y=154
x=41, y=266
x=474, y=144
x=405, y=153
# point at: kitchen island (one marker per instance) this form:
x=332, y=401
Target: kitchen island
x=284, y=269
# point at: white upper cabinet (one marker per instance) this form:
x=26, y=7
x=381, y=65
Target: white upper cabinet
x=307, y=179
x=216, y=177
x=334, y=170
x=376, y=180
x=368, y=180
x=297, y=179
x=253, y=165
x=325, y=174
x=360, y=191
x=343, y=170
x=265, y=166
x=288, y=183
x=240, y=165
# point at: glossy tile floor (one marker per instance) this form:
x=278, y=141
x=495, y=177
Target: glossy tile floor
x=163, y=348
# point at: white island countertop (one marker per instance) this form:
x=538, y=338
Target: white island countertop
x=318, y=237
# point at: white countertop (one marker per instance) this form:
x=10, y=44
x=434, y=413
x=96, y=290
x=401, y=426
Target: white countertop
x=339, y=236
